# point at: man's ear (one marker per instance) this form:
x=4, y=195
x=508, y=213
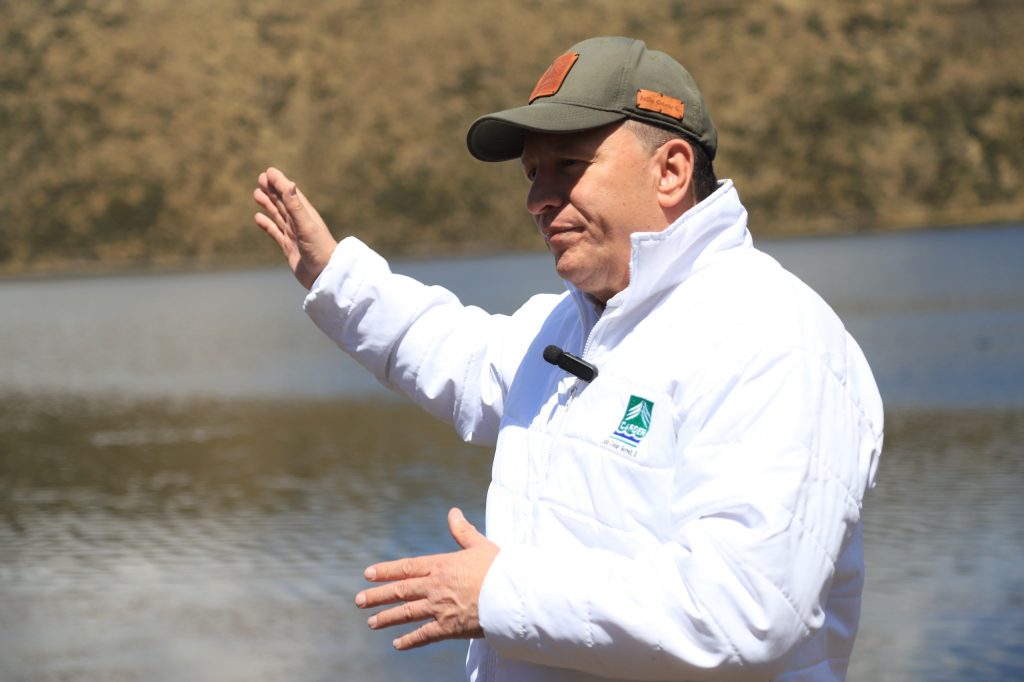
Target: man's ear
x=675, y=159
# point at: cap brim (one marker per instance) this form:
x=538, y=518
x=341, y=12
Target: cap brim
x=500, y=136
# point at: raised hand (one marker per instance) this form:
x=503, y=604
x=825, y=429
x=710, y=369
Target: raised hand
x=443, y=589
x=293, y=222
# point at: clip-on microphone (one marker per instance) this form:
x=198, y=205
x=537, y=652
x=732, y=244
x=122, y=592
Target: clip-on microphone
x=572, y=364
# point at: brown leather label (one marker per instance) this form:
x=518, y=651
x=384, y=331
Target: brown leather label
x=663, y=104
x=553, y=78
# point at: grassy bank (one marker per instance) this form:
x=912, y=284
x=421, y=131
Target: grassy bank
x=132, y=133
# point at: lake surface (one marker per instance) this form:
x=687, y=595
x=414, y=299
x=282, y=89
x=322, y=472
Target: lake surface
x=192, y=479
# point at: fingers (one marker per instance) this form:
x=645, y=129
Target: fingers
x=409, y=612
x=271, y=228
x=269, y=207
x=291, y=203
x=403, y=590
x=414, y=612
x=282, y=236
x=274, y=181
x=274, y=210
x=428, y=633
x=442, y=589
x=285, y=203
x=399, y=569
x=273, y=184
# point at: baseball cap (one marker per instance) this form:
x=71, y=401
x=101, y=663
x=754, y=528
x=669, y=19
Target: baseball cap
x=597, y=82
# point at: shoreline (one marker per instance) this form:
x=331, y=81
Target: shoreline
x=415, y=252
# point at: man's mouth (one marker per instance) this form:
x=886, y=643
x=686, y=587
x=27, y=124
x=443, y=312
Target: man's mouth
x=555, y=232
x=560, y=239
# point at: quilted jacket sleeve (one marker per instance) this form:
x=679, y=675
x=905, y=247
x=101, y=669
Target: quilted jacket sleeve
x=453, y=360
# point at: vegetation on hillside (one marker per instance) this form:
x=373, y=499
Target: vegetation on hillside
x=131, y=133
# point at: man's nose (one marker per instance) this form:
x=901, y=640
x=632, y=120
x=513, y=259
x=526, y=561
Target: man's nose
x=544, y=195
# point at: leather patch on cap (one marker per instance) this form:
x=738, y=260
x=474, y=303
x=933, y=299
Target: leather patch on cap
x=553, y=78
x=662, y=104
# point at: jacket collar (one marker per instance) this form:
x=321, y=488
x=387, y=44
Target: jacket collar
x=662, y=260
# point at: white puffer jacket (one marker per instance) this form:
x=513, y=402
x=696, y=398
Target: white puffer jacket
x=691, y=514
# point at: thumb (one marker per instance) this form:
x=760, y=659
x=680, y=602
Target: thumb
x=464, y=532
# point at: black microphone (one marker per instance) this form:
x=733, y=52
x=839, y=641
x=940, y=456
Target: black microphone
x=570, y=363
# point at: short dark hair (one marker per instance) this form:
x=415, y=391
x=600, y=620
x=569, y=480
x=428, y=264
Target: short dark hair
x=652, y=137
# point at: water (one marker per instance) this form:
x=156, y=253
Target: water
x=214, y=540
x=192, y=479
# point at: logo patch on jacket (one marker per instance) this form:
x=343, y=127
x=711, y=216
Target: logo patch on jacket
x=635, y=422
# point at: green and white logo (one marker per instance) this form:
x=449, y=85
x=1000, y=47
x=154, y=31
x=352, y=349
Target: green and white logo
x=636, y=422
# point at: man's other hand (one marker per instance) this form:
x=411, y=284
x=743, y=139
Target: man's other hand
x=443, y=589
x=291, y=221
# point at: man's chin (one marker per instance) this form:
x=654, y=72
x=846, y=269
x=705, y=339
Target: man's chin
x=565, y=270
x=574, y=270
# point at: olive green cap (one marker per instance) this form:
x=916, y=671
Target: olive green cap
x=597, y=82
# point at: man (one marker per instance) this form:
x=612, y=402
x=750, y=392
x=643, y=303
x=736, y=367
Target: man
x=693, y=511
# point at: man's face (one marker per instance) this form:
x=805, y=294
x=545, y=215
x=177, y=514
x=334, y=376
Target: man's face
x=588, y=192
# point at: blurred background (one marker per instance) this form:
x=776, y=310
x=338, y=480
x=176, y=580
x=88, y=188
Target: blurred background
x=192, y=478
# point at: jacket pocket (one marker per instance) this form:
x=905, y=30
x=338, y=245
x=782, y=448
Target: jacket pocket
x=614, y=458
